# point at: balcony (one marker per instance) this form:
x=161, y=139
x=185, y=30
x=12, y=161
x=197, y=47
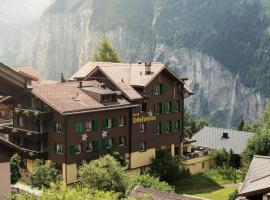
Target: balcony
x=30, y=112
x=198, y=154
x=9, y=129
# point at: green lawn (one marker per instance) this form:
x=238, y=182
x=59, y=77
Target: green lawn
x=202, y=186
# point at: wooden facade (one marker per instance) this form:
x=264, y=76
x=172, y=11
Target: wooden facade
x=135, y=128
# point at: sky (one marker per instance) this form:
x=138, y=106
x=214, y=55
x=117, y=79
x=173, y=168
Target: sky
x=21, y=11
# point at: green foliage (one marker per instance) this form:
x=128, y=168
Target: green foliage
x=43, y=174
x=104, y=174
x=15, y=162
x=165, y=166
x=223, y=158
x=193, y=125
x=121, y=159
x=233, y=195
x=259, y=144
x=69, y=193
x=148, y=182
x=223, y=175
x=106, y=53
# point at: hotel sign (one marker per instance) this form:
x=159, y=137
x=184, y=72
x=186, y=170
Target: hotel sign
x=142, y=119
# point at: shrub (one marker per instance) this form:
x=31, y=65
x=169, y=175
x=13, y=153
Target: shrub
x=43, y=174
x=165, y=167
x=77, y=192
x=233, y=195
x=104, y=174
x=15, y=162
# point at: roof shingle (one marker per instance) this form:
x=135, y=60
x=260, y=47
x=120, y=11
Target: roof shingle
x=258, y=177
x=212, y=137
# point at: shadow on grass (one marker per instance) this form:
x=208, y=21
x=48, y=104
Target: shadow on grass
x=196, y=184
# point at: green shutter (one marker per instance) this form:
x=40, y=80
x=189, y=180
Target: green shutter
x=53, y=148
x=72, y=149
x=64, y=150
x=95, y=125
x=104, y=123
x=95, y=146
x=154, y=89
x=165, y=88
x=154, y=109
x=104, y=143
x=155, y=129
x=115, y=122
x=174, y=125
x=114, y=142
x=174, y=106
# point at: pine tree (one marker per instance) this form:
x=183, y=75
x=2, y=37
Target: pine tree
x=15, y=162
x=106, y=53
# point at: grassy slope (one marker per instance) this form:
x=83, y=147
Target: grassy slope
x=203, y=186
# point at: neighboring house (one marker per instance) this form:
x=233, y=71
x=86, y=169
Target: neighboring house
x=140, y=192
x=219, y=138
x=196, y=159
x=7, y=150
x=134, y=109
x=197, y=152
x=256, y=185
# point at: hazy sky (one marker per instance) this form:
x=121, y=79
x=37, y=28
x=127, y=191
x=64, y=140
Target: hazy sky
x=21, y=11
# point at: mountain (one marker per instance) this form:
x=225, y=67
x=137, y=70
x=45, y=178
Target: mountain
x=222, y=46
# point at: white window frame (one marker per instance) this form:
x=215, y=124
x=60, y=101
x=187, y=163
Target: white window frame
x=143, y=146
x=89, y=147
x=89, y=125
x=59, y=127
x=122, y=121
x=78, y=149
x=109, y=122
x=60, y=149
x=21, y=121
x=142, y=127
x=123, y=141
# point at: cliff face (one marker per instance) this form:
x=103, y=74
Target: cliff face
x=70, y=30
x=219, y=96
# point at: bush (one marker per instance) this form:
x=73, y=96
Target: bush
x=233, y=195
x=165, y=167
x=66, y=193
x=148, y=182
x=104, y=174
x=15, y=162
x=223, y=175
x=43, y=174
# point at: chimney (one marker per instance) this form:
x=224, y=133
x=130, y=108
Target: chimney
x=80, y=84
x=225, y=135
x=148, y=68
x=63, y=80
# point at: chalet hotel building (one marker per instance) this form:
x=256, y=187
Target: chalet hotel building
x=134, y=109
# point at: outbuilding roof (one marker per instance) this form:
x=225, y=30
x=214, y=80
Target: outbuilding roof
x=152, y=194
x=257, y=180
x=214, y=138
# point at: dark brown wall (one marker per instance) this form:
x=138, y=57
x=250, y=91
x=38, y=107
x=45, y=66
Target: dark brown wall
x=74, y=138
x=156, y=141
x=5, y=154
x=4, y=112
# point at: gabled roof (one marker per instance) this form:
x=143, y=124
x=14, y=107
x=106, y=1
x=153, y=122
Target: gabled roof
x=27, y=71
x=68, y=98
x=126, y=76
x=257, y=180
x=152, y=194
x=212, y=137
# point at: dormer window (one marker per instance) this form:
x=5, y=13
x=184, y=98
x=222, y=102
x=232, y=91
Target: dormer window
x=105, y=98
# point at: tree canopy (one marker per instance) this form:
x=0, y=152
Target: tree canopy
x=106, y=53
x=103, y=174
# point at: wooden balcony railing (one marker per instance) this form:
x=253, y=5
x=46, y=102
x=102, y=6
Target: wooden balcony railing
x=9, y=129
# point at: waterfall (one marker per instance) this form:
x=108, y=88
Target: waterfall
x=229, y=124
